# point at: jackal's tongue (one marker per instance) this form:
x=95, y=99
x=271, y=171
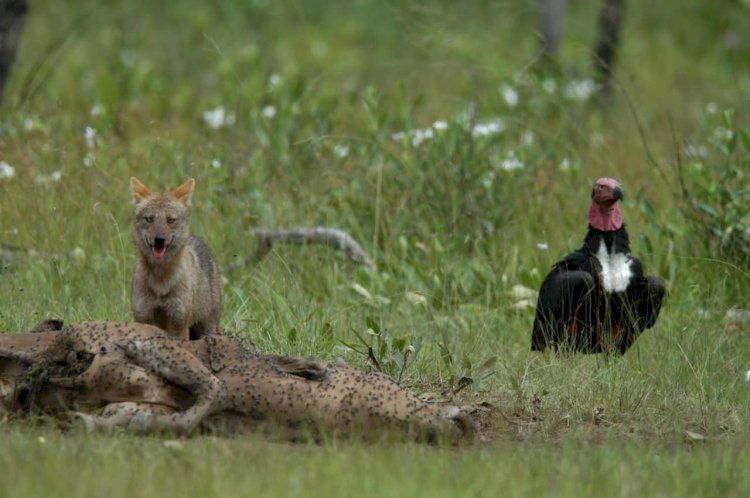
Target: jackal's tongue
x=159, y=249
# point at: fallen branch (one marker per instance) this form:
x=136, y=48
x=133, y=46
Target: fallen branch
x=331, y=237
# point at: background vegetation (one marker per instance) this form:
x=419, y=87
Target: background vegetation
x=423, y=130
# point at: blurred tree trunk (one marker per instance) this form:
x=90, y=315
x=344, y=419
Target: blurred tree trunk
x=610, y=22
x=551, y=28
x=12, y=15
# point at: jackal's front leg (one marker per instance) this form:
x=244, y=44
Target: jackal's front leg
x=166, y=357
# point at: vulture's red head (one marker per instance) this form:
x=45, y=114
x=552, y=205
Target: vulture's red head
x=605, y=214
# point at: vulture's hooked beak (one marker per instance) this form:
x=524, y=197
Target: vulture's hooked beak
x=618, y=193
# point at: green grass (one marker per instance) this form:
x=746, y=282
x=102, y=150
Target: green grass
x=450, y=230
x=129, y=467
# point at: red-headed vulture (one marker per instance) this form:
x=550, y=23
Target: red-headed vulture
x=597, y=299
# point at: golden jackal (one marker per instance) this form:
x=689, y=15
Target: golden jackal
x=176, y=284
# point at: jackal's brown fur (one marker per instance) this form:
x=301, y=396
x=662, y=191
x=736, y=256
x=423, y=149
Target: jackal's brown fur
x=176, y=283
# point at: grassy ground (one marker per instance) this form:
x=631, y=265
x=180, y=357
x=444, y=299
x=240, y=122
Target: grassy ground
x=129, y=467
x=329, y=104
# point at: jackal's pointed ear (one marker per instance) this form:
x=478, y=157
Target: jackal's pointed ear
x=138, y=190
x=184, y=192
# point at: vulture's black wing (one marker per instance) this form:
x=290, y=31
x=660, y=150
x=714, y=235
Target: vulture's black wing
x=567, y=303
x=643, y=301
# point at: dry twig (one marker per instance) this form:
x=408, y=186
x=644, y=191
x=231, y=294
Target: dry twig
x=331, y=237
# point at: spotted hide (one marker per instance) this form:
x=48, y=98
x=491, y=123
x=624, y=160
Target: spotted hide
x=135, y=376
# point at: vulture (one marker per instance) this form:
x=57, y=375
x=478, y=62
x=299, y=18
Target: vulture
x=597, y=299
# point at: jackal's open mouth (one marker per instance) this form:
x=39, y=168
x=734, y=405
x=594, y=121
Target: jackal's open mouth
x=159, y=248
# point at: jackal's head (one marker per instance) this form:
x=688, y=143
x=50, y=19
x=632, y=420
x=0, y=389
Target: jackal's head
x=162, y=220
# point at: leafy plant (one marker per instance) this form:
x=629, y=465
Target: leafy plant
x=386, y=353
x=715, y=188
x=463, y=372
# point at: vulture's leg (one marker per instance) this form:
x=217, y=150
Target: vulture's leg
x=166, y=357
x=565, y=309
x=645, y=301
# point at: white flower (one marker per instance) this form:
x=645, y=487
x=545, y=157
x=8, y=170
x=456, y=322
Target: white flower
x=518, y=292
x=527, y=138
x=418, y=136
x=97, y=110
x=542, y=246
x=723, y=134
x=712, y=108
x=6, y=170
x=274, y=80
x=88, y=161
x=509, y=94
x=511, y=162
x=696, y=151
x=90, y=134
x=216, y=118
x=522, y=297
x=28, y=124
x=488, y=180
x=747, y=376
x=215, y=164
x=55, y=176
x=440, y=125
x=579, y=90
x=340, y=150
x=522, y=304
x=549, y=85
x=269, y=111
x=565, y=164
x=489, y=128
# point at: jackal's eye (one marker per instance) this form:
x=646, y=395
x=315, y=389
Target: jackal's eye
x=149, y=219
x=171, y=220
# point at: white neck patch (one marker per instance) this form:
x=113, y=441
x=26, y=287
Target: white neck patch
x=616, y=272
